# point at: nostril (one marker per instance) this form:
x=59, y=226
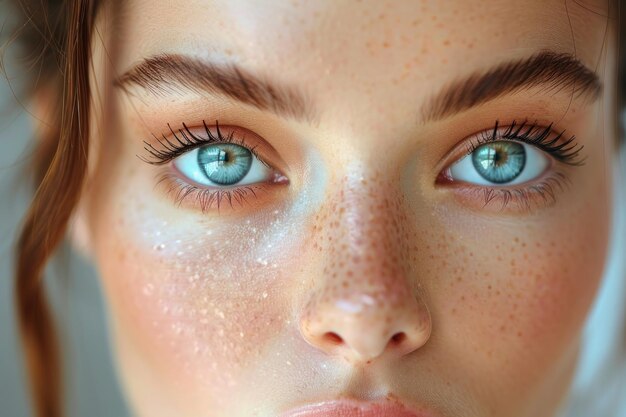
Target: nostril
x=398, y=338
x=333, y=338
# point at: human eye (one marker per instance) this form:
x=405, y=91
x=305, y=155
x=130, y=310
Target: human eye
x=520, y=164
x=222, y=164
x=212, y=165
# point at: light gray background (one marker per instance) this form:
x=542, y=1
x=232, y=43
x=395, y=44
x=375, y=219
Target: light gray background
x=90, y=375
x=91, y=384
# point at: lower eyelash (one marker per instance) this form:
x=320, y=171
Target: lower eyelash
x=526, y=198
x=207, y=198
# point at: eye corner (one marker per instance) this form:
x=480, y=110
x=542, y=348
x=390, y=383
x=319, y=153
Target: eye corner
x=279, y=178
x=445, y=176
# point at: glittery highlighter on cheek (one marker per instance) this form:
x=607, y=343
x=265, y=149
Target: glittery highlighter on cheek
x=203, y=293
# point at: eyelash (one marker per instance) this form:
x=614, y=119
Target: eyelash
x=206, y=197
x=568, y=152
x=189, y=141
x=184, y=140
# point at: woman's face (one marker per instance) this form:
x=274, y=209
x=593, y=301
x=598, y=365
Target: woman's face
x=396, y=204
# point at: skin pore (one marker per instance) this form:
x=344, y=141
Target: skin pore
x=360, y=270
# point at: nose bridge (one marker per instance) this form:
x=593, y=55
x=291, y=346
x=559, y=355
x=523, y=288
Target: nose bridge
x=364, y=298
x=363, y=233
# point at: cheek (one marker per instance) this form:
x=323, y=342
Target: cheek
x=198, y=298
x=514, y=299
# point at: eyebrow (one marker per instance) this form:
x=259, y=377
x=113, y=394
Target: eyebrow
x=167, y=73
x=549, y=70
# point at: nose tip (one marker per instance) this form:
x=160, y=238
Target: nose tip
x=366, y=300
x=362, y=333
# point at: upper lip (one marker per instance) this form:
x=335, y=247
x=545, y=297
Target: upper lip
x=357, y=408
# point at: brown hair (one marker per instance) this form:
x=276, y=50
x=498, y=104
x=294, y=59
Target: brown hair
x=58, y=34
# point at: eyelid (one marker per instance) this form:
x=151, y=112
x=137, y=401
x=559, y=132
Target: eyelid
x=191, y=194
x=557, y=146
x=193, y=197
x=166, y=147
x=538, y=193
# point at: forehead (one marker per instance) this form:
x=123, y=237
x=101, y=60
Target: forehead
x=348, y=51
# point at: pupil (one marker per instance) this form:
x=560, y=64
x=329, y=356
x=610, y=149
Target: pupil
x=222, y=156
x=498, y=157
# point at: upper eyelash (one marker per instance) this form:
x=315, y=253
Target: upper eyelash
x=186, y=140
x=567, y=152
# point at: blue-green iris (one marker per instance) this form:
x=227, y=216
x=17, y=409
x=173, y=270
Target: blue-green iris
x=224, y=163
x=499, y=162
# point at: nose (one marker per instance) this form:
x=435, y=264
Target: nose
x=365, y=303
